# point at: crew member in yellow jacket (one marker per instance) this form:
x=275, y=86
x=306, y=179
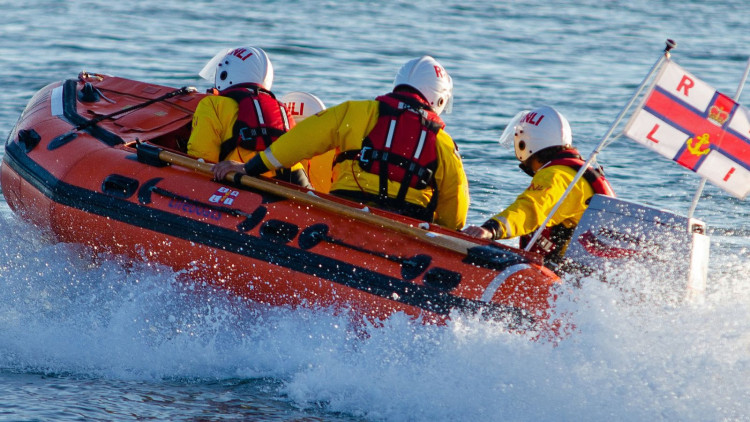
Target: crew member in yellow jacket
x=243, y=117
x=542, y=141
x=394, y=153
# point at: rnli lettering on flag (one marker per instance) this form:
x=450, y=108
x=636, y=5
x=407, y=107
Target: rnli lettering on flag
x=687, y=120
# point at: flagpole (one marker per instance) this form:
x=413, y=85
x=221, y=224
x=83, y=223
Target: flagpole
x=670, y=45
x=702, y=184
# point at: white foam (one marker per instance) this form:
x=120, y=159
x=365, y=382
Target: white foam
x=634, y=350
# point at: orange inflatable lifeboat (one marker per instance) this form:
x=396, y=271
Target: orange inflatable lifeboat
x=99, y=160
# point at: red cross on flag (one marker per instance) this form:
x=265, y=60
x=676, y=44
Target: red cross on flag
x=687, y=120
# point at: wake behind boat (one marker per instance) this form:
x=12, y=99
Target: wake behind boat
x=100, y=160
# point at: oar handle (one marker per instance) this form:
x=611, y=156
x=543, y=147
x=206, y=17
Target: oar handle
x=454, y=244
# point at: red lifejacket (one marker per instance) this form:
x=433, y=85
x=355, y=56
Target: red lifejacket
x=593, y=175
x=553, y=239
x=402, y=148
x=261, y=119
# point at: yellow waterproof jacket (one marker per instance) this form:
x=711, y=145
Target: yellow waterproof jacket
x=531, y=208
x=213, y=122
x=343, y=127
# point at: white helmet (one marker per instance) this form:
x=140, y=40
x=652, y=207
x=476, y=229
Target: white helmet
x=302, y=105
x=428, y=77
x=535, y=130
x=239, y=66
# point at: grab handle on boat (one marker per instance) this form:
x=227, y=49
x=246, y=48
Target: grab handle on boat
x=411, y=267
x=29, y=138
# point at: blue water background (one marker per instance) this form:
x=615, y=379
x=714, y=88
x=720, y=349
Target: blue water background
x=102, y=338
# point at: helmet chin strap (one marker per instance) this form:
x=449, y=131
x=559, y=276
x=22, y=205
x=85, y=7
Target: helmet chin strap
x=526, y=168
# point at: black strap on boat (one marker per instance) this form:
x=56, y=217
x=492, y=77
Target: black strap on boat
x=411, y=267
x=64, y=138
x=251, y=220
x=172, y=195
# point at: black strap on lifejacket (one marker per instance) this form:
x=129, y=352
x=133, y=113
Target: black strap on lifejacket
x=421, y=177
x=245, y=136
x=424, y=174
x=390, y=204
x=367, y=155
x=399, y=205
x=413, y=105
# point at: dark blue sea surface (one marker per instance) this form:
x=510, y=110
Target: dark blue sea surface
x=101, y=338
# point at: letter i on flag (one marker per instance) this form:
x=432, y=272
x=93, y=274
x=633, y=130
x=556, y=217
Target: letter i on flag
x=687, y=120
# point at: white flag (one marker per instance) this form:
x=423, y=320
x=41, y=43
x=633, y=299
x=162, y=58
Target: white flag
x=687, y=120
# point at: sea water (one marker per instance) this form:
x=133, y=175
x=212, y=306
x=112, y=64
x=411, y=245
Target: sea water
x=95, y=337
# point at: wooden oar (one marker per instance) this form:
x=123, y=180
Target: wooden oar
x=454, y=244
